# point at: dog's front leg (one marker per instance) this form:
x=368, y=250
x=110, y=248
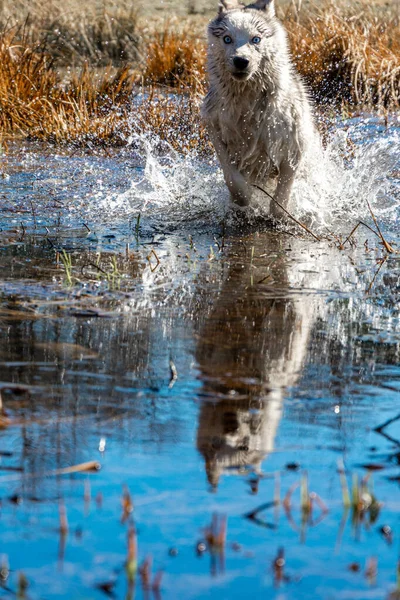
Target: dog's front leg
x=240, y=190
x=286, y=177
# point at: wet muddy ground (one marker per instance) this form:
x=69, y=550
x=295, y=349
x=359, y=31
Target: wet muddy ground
x=191, y=409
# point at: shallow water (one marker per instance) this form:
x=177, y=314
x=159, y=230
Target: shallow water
x=206, y=366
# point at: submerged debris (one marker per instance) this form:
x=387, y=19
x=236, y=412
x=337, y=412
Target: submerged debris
x=254, y=515
x=4, y=568
x=371, y=570
x=387, y=533
x=22, y=586
x=107, y=587
x=63, y=519
x=215, y=533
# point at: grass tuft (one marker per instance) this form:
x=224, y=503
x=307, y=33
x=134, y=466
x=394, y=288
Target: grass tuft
x=348, y=57
x=175, y=59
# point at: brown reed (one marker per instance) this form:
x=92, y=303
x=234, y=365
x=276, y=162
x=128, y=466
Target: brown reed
x=92, y=108
x=348, y=57
x=74, y=33
x=175, y=59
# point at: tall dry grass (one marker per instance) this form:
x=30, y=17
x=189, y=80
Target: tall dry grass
x=175, y=59
x=95, y=32
x=348, y=57
x=90, y=109
x=344, y=58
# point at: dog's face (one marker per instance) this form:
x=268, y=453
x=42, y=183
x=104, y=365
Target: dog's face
x=242, y=37
x=234, y=435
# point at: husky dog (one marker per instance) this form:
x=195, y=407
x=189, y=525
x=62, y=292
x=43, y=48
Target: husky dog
x=257, y=111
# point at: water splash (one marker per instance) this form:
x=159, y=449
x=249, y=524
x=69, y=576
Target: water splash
x=170, y=191
x=361, y=161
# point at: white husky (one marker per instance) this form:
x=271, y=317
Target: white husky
x=257, y=111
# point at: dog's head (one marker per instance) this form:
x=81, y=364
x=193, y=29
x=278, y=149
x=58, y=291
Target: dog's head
x=242, y=37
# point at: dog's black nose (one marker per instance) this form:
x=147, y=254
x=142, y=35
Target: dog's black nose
x=240, y=63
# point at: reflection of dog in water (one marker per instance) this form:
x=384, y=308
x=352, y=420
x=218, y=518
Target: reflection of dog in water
x=236, y=435
x=257, y=111
x=251, y=348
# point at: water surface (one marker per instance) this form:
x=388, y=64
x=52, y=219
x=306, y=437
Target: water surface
x=209, y=368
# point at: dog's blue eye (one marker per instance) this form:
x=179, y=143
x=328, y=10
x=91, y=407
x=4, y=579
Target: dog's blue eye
x=256, y=40
x=228, y=39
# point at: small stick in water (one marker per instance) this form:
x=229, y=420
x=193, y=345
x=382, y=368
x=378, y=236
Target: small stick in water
x=342, y=245
x=131, y=559
x=381, y=263
x=91, y=465
x=288, y=213
x=386, y=244
x=343, y=483
x=88, y=467
x=127, y=504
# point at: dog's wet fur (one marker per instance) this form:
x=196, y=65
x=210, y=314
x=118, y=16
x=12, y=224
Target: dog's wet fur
x=257, y=111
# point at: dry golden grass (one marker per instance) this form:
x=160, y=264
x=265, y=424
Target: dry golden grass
x=354, y=58
x=74, y=33
x=33, y=101
x=175, y=59
x=344, y=58
x=90, y=109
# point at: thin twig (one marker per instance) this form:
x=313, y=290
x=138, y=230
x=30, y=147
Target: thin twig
x=388, y=247
x=23, y=231
x=92, y=264
x=370, y=228
x=288, y=213
x=343, y=483
x=33, y=214
x=376, y=274
x=88, y=467
x=153, y=252
x=341, y=246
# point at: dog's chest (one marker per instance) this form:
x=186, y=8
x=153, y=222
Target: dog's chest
x=252, y=138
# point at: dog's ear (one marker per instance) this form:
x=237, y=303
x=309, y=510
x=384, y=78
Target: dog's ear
x=265, y=5
x=225, y=5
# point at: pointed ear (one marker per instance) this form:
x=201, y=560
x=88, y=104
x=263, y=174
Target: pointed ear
x=266, y=5
x=225, y=5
